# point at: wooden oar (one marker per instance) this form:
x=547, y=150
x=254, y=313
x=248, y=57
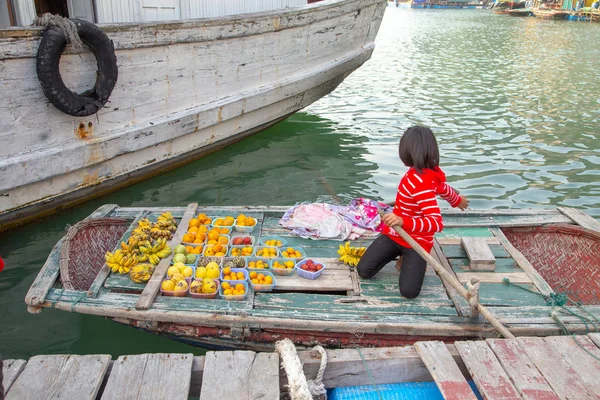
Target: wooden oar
x=455, y=283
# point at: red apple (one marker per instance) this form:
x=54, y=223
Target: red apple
x=319, y=267
x=247, y=240
x=238, y=241
x=304, y=267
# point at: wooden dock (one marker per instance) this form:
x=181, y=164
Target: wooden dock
x=557, y=367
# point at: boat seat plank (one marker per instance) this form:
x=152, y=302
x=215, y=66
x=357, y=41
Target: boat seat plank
x=331, y=304
x=459, y=233
x=578, y=351
x=60, y=377
x=580, y=218
x=445, y=372
x=457, y=251
x=561, y=376
x=240, y=375
x=150, y=376
x=530, y=383
x=10, y=371
x=479, y=254
x=503, y=265
x=329, y=281
x=501, y=294
x=153, y=286
x=486, y=370
x=494, y=277
x=442, y=240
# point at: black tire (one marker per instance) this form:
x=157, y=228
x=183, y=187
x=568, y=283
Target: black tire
x=48, y=56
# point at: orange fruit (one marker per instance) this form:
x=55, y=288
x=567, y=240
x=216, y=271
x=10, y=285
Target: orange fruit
x=213, y=234
x=224, y=231
x=261, y=277
x=189, y=249
x=252, y=275
x=194, y=222
x=255, y=281
x=227, y=292
x=225, y=285
x=240, y=275
x=217, y=248
x=188, y=237
x=268, y=280
x=226, y=271
x=203, y=228
x=208, y=221
x=201, y=216
x=193, y=229
x=211, y=242
x=222, y=240
x=239, y=287
x=209, y=252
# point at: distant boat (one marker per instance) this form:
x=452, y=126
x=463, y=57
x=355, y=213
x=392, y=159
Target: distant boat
x=184, y=88
x=504, y=7
x=550, y=14
x=523, y=12
x=535, y=258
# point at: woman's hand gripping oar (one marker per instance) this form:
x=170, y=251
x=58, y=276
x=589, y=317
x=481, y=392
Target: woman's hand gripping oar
x=455, y=283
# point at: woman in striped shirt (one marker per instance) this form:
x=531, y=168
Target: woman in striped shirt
x=416, y=210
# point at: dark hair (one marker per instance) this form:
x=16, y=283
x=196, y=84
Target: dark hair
x=418, y=148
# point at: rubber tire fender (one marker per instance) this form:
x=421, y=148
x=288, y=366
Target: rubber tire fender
x=47, y=65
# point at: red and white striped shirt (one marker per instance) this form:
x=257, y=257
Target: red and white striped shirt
x=417, y=205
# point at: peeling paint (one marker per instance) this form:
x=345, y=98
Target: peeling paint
x=90, y=179
x=84, y=131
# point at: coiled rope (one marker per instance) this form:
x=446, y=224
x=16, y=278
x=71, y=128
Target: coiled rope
x=68, y=27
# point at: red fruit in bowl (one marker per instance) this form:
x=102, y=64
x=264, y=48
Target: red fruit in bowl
x=319, y=267
x=247, y=240
x=237, y=241
x=304, y=267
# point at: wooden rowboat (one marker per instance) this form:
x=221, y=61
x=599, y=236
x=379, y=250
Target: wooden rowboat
x=538, y=257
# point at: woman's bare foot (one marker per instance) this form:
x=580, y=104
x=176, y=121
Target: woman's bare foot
x=399, y=263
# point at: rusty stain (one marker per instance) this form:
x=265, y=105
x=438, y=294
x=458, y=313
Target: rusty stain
x=277, y=23
x=83, y=131
x=92, y=179
x=220, y=116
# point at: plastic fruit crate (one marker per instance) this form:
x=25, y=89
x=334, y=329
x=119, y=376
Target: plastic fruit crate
x=263, y=287
x=173, y=293
x=225, y=250
x=299, y=249
x=263, y=259
x=259, y=248
x=227, y=259
x=263, y=241
x=206, y=295
x=230, y=252
x=283, y=271
x=234, y=297
x=243, y=228
x=308, y=274
x=235, y=281
x=221, y=217
x=241, y=235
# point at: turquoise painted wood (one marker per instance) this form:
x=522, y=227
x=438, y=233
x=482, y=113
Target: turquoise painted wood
x=457, y=251
x=500, y=294
x=465, y=232
x=503, y=265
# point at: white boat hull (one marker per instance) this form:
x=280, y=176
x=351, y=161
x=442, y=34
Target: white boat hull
x=184, y=89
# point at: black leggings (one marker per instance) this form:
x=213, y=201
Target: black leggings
x=382, y=251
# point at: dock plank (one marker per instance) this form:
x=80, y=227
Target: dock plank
x=150, y=376
x=249, y=376
x=530, y=383
x=562, y=377
x=579, y=351
x=486, y=370
x=494, y=277
x=479, y=254
x=153, y=286
x=444, y=370
x=60, y=377
x=10, y=371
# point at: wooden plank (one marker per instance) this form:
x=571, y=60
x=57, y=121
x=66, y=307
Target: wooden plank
x=150, y=376
x=329, y=281
x=595, y=337
x=445, y=372
x=486, y=370
x=579, y=352
x=60, y=377
x=249, y=375
x=580, y=218
x=562, y=377
x=526, y=378
x=36, y=295
x=539, y=282
x=457, y=251
x=105, y=271
x=493, y=277
x=10, y=371
x=458, y=240
x=460, y=303
x=153, y=285
x=479, y=254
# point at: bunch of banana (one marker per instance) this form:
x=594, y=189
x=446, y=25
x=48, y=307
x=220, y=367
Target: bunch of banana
x=157, y=233
x=142, y=231
x=141, y=273
x=350, y=255
x=131, y=247
x=120, y=262
x=164, y=227
x=154, y=253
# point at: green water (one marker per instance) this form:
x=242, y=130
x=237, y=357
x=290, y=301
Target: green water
x=515, y=104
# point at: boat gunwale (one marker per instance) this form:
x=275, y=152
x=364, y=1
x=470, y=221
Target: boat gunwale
x=195, y=23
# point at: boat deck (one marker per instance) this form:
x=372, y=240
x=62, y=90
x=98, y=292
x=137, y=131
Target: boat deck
x=325, y=310
x=528, y=368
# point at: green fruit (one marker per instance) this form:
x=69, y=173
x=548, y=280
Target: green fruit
x=179, y=258
x=190, y=259
x=179, y=249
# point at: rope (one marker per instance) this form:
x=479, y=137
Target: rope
x=77, y=300
x=53, y=302
x=379, y=395
x=316, y=386
x=293, y=369
x=65, y=24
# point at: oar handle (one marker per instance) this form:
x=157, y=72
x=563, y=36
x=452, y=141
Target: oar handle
x=451, y=279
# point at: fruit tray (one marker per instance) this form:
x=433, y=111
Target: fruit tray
x=231, y=251
x=173, y=293
x=246, y=240
x=209, y=249
x=205, y=295
x=234, y=297
x=235, y=281
x=257, y=287
x=258, y=249
x=255, y=259
x=204, y=260
x=264, y=240
x=283, y=271
x=282, y=252
x=309, y=274
x=226, y=260
x=196, y=257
